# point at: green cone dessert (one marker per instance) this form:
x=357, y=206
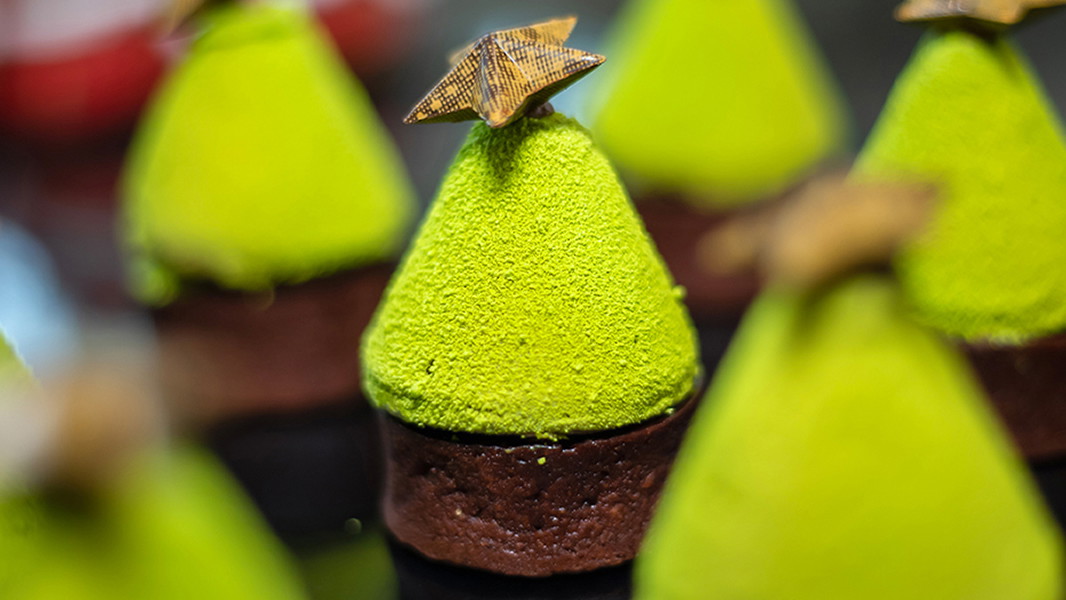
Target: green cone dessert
x=845, y=453
x=969, y=114
x=743, y=107
x=262, y=196
x=531, y=302
x=530, y=305
x=260, y=163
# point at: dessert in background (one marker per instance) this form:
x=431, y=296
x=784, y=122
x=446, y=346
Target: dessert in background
x=96, y=502
x=843, y=451
x=969, y=114
x=263, y=198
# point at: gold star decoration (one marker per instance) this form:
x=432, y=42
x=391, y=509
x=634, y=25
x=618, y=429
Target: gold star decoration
x=829, y=228
x=506, y=73
x=996, y=12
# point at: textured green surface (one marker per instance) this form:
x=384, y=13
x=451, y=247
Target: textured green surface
x=261, y=162
x=175, y=528
x=844, y=453
x=969, y=115
x=532, y=301
x=724, y=102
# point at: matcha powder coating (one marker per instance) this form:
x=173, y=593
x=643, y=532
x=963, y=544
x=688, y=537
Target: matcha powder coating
x=968, y=115
x=532, y=301
x=260, y=163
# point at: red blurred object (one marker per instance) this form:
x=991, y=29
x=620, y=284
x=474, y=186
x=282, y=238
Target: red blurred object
x=372, y=35
x=92, y=91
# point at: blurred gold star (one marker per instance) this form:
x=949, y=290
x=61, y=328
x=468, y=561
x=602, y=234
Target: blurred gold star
x=506, y=73
x=832, y=226
x=1001, y=12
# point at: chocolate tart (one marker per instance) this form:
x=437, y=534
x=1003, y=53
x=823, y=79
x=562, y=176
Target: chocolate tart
x=1027, y=385
x=227, y=354
x=533, y=509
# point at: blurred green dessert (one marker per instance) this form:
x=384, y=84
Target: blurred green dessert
x=722, y=103
x=96, y=503
x=968, y=113
x=262, y=198
x=707, y=108
x=532, y=358
x=845, y=452
x=260, y=163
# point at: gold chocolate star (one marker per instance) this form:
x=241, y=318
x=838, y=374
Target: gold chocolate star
x=506, y=73
x=998, y=12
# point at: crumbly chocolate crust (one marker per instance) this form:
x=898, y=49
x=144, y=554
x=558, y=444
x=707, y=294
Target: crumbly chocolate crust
x=1027, y=385
x=226, y=353
x=525, y=508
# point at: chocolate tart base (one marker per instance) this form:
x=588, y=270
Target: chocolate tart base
x=530, y=509
x=1027, y=385
x=225, y=354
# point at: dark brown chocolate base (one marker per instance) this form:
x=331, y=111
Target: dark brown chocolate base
x=1027, y=385
x=225, y=354
x=677, y=229
x=530, y=509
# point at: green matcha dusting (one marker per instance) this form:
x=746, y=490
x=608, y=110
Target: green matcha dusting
x=260, y=163
x=844, y=452
x=532, y=301
x=968, y=114
x=723, y=102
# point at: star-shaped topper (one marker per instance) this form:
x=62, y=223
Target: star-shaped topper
x=506, y=73
x=995, y=12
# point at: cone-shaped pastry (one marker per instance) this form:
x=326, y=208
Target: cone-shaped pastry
x=969, y=114
x=260, y=163
x=531, y=302
x=531, y=305
x=846, y=453
x=721, y=102
x=260, y=193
